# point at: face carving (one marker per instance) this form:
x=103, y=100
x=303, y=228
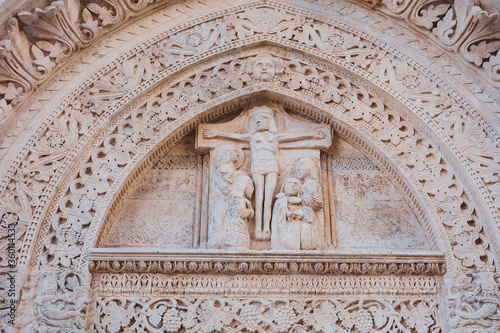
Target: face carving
x=264, y=69
x=261, y=121
x=291, y=187
x=304, y=168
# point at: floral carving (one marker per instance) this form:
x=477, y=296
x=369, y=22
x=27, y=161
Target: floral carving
x=171, y=103
x=474, y=302
x=34, y=178
x=251, y=315
x=328, y=87
x=52, y=34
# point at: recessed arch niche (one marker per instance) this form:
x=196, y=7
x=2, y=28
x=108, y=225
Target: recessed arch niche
x=230, y=275
x=151, y=186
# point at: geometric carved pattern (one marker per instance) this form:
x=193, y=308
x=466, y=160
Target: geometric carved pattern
x=352, y=163
x=158, y=285
x=177, y=163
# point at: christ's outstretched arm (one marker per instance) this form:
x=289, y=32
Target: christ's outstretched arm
x=210, y=134
x=286, y=137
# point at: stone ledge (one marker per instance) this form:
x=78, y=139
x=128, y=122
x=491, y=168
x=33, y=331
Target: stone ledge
x=175, y=285
x=147, y=260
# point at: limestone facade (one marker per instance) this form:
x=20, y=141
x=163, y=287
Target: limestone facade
x=266, y=166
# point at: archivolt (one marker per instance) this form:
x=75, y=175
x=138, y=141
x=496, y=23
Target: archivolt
x=87, y=125
x=173, y=108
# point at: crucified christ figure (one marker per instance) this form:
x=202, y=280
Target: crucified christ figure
x=264, y=140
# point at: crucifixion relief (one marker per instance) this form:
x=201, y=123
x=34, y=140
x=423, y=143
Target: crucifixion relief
x=273, y=140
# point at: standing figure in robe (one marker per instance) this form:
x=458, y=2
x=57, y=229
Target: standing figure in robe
x=227, y=159
x=234, y=233
x=288, y=216
x=312, y=234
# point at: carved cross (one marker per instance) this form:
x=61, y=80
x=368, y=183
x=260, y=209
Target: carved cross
x=264, y=130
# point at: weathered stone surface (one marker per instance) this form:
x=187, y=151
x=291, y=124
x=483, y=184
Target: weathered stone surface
x=378, y=225
x=99, y=105
x=360, y=186
x=160, y=223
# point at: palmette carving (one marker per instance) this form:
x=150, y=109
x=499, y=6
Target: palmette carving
x=114, y=314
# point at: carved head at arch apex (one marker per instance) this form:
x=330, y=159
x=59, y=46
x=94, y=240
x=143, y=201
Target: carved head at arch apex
x=264, y=66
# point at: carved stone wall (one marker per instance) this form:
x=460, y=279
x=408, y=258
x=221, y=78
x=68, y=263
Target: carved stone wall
x=162, y=209
x=94, y=96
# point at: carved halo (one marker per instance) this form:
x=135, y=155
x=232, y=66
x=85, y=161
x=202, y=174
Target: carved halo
x=220, y=149
x=317, y=166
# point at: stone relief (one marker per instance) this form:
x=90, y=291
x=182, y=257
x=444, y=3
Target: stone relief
x=470, y=244
x=52, y=302
x=296, y=224
x=41, y=39
x=230, y=206
x=474, y=302
x=370, y=211
x=418, y=263
x=161, y=209
x=280, y=285
x=388, y=136
x=164, y=210
x=117, y=314
x=264, y=66
x=357, y=107
x=262, y=130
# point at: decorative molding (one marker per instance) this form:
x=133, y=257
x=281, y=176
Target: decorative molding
x=39, y=40
x=94, y=107
x=90, y=149
x=342, y=163
x=265, y=262
x=172, y=162
x=114, y=314
x=353, y=114
x=289, y=285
